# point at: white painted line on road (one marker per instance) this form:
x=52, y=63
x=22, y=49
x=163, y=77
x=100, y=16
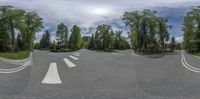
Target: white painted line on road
x=52, y=76
x=76, y=54
x=69, y=63
x=186, y=65
x=75, y=58
x=13, y=70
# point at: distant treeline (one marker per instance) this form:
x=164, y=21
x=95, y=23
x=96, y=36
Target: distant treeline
x=147, y=33
x=63, y=42
x=105, y=38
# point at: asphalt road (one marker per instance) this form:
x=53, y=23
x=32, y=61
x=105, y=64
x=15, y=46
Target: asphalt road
x=86, y=74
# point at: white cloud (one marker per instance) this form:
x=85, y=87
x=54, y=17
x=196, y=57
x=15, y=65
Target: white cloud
x=179, y=39
x=81, y=12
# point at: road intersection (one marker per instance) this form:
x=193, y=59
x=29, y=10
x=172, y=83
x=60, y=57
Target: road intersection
x=89, y=74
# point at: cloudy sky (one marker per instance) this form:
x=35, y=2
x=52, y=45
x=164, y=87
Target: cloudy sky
x=90, y=13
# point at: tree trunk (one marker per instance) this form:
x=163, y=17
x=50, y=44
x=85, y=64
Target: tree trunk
x=12, y=35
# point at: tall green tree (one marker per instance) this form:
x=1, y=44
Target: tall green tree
x=4, y=35
x=18, y=43
x=75, y=38
x=31, y=24
x=12, y=17
x=91, y=43
x=104, y=34
x=163, y=33
x=132, y=19
x=45, y=40
x=145, y=26
x=191, y=29
x=172, y=44
x=62, y=35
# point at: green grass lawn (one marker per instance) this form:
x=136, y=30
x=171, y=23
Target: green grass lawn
x=15, y=55
x=197, y=54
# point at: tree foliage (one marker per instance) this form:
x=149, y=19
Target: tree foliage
x=45, y=40
x=191, y=29
x=75, y=38
x=147, y=31
x=62, y=35
x=104, y=38
x=11, y=20
x=173, y=44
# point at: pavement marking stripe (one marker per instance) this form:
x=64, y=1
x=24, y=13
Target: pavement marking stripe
x=52, y=76
x=76, y=54
x=69, y=63
x=15, y=69
x=191, y=69
x=75, y=58
x=186, y=65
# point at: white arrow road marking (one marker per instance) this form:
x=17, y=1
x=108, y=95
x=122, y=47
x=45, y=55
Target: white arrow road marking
x=52, y=76
x=13, y=70
x=75, y=58
x=69, y=63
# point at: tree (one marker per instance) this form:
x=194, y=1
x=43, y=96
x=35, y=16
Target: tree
x=62, y=35
x=75, y=38
x=163, y=33
x=31, y=24
x=91, y=43
x=85, y=41
x=117, y=39
x=120, y=42
x=173, y=44
x=132, y=19
x=36, y=46
x=4, y=35
x=105, y=39
x=53, y=46
x=18, y=43
x=45, y=40
x=12, y=17
x=191, y=29
x=104, y=36
x=145, y=27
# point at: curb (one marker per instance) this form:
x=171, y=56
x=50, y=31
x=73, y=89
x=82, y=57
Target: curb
x=19, y=62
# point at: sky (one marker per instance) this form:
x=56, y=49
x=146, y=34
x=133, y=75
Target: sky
x=90, y=13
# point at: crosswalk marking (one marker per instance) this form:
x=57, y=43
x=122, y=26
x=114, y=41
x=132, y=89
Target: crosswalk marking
x=76, y=54
x=52, y=76
x=69, y=63
x=75, y=58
